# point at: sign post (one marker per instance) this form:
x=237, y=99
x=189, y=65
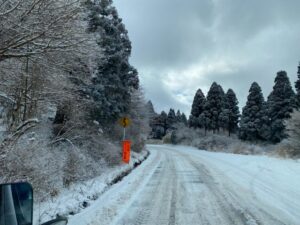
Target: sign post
x=125, y=122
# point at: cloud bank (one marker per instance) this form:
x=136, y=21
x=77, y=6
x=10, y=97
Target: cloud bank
x=180, y=46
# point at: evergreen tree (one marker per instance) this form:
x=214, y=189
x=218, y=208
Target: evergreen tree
x=150, y=110
x=152, y=115
x=114, y=78
x=265, y=130
x=171, y=119
x=204, y=120
x=159, y=126
x=280, y=105
x=252, y=115
x=297, y=85
x=222, y=93
x=229, y=117
x=163, y=119
x=184, y=119
x=197, y=108
x=178, y=116
x=213, y=107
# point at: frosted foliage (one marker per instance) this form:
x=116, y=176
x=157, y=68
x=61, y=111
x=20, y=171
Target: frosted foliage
x=280, y=105
x=171, y=119
x=297, y=86
x=42, y=26
x=197, y=108
x=213, y=107
x=114, y=78
x=293, y=130
x=230, y=114
x=251, y=120
x=217, y=142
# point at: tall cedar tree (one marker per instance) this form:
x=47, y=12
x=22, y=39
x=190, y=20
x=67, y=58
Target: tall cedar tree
x=265, y=130
x=197, y=109
x=184, y=119
x=178, y=116
x=151, y=113
x=159, y=126
x=213, y=107
x=223, y=105
x=114, y=78
x=297, y=85
x=280, y=105
x=171, y=119
x=150, y=110
x=252, y=115
x=229, y=118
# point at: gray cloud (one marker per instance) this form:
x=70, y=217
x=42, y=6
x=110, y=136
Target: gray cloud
x=180, y=46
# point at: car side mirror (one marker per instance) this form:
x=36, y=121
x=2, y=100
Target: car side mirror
x=16, y=204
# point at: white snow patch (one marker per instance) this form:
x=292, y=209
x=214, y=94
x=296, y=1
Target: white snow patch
x=72, y=199
x=274, y=182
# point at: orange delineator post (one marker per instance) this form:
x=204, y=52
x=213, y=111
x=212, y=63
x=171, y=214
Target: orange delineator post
x=126, y=151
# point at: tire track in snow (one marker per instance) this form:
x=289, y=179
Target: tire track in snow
x=235, y=212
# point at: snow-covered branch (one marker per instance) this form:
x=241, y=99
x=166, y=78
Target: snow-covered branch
x=38, y=26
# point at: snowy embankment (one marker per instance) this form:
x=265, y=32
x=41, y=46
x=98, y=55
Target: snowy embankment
x=79, y=196
x=271, y=182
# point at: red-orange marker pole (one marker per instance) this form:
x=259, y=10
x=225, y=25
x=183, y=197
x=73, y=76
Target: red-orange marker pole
x=126, y=151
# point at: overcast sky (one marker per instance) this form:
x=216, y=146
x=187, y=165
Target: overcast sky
x=182, y=45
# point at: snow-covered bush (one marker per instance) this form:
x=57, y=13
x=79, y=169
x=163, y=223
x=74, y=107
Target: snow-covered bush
x=217, y=142
x=51, y=163
x=290, y=147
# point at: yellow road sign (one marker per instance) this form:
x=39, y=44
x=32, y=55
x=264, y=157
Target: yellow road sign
x=124, y=122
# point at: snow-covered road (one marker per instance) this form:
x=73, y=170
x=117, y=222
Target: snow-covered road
x=182, y=185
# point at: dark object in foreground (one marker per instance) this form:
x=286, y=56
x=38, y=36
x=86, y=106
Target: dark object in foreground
x=16, y=205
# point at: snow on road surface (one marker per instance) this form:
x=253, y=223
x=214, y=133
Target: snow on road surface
x=183, y=185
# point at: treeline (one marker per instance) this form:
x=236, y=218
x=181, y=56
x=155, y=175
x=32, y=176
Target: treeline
x=71, y=56
x=219, y=110
x=261, y=120
x=65, y=81
x=163, y=123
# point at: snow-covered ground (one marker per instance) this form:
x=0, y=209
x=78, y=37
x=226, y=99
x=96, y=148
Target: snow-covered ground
x=80, y=196
x=271, y=183
x=183, y=185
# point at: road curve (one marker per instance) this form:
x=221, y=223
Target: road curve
x=183, y=191
x=176, y=187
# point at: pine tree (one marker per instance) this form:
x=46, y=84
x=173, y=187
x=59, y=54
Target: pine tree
x=204, y=120
x=230, y=114
x=280, y=105
x=197, y=108
x=184, y=119
x=297, y=86
x=171, y=120
x=163, y=120
x=265, y=129
x=159, y=126
x=252, y=115
x=178, y=116
x=150, y=110
x=213, y=107
x=115, y=77
x=151, y=114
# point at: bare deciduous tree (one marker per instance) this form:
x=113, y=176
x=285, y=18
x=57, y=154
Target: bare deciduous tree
x=40, y=43
x=31, y=27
